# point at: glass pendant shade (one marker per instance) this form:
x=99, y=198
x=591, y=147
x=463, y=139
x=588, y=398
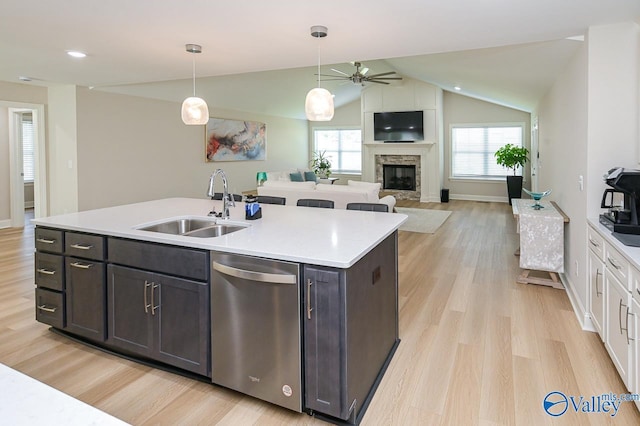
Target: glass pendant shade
x=319, y=105
x=195, y=111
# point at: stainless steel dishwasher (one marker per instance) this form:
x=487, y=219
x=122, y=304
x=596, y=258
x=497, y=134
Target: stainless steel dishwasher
x=255, y=330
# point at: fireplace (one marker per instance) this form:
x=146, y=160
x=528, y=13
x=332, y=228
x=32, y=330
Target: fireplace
x=399, y=176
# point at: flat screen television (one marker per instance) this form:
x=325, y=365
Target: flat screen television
x=403, y=126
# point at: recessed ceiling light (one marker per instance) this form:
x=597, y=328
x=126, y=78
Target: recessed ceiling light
x=458, y=88
x=24, y=78
x=76, y=54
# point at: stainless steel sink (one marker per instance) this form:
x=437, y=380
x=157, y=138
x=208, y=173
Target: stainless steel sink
x=193, y=227
x=214, y=231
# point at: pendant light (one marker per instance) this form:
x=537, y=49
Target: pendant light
x=319, y=103
x=194, y=109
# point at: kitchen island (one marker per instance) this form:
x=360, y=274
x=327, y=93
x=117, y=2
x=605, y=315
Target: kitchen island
x=172, y=299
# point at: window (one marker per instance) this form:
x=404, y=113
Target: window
x=28, y=154
x=473, y=148
x=343, y=147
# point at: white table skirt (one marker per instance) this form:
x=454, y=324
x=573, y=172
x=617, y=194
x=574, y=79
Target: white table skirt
x=541, y=236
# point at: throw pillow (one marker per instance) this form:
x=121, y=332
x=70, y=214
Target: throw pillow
x=296, y=177
x=310, y=176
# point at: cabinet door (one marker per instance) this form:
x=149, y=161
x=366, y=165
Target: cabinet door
x=324, y=327
x=128, y=299
x=180, y=309
x=634, y=330
x=617, y=339
x=85, y=298
x=596, y=292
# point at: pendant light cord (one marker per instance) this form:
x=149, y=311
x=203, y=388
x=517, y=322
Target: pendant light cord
x=194, y=75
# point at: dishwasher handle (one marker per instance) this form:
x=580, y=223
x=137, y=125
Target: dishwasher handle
x=263, y=277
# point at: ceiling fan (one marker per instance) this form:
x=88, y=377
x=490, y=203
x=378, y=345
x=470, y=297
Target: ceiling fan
x=360, y=76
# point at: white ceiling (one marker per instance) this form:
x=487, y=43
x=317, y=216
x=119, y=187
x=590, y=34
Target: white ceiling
x=258, y=55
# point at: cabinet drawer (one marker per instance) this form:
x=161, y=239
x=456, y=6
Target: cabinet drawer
x=595, y=242
x=84, y=245
x=50, y=307
x=618, y=265
x=49, y=271
x=173, y=260
x=50, y=240
x=635, y=289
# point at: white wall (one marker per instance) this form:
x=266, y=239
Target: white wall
x=459, y=109
x=588, y=123
x=132, y=149
x=62, y=152
x=562, y=136
x=5, y=185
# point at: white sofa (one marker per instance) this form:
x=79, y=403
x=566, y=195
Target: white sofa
x=341, y=195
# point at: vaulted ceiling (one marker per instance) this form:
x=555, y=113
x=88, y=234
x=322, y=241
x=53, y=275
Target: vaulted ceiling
x=259, y=56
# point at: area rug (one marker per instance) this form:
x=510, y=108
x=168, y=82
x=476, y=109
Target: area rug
x=423, y=220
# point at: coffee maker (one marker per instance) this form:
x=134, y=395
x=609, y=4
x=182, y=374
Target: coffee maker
x=622, y=201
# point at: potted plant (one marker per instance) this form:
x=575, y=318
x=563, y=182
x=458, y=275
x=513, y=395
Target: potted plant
x=321, y=165
x=512, y=157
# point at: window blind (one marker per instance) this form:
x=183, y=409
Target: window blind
x=28, y=148
x=343, y=147
x=473, y=149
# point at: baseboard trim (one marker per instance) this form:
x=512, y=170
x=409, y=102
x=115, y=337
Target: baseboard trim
x=485, y=198
x=28, y=204
x=5, y=223
x=584, y=318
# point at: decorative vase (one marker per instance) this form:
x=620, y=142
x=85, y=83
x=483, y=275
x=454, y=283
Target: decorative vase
x=514, y=187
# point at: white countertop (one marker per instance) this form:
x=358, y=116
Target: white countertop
x=26, y=401
x=326, y=237
x=632, y=254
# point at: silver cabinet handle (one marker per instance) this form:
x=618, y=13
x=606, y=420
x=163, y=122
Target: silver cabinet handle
x=598, y=274
x=309, y=308
x=153, y=306
x=44, y=308
x=82, y=246
x=263, y=277
x=619, y=315
x=81, y=265
x=593, y=243
x=627, y=326
x=45, y=241
x=45, y=271
x=613, y=263
x=146, y=304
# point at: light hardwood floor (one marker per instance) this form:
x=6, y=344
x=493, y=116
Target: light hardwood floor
x=477, y=348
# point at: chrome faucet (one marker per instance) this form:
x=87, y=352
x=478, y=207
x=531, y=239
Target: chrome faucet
x=226, y=200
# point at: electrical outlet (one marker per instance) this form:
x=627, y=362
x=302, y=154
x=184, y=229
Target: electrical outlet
x=581, y=182
x=577, y=269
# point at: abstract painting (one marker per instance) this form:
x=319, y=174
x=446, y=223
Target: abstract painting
x=234, y=140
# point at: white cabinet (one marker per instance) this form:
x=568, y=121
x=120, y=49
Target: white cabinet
x=634, y=330
x=617, y=337
x=613, y=283
x=596, y=292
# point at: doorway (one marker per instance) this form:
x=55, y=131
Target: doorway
x=22, y=118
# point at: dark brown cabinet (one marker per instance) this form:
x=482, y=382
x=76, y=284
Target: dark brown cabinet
x=49, y=277
x=160, y=317
x=350, y=327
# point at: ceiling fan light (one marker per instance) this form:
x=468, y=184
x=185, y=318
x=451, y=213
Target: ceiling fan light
x=319, y=105
x=195, y=111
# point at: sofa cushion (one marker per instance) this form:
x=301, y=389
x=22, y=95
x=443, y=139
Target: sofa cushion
x=369, y=185
x=296, y=177
x=291, y=185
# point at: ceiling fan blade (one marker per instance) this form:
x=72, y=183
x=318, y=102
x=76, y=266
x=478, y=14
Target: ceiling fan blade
x=364, y=70
x=340, y=72
x=384, y=78
x=332, y=75
x=377, y=81
x=382, y=73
